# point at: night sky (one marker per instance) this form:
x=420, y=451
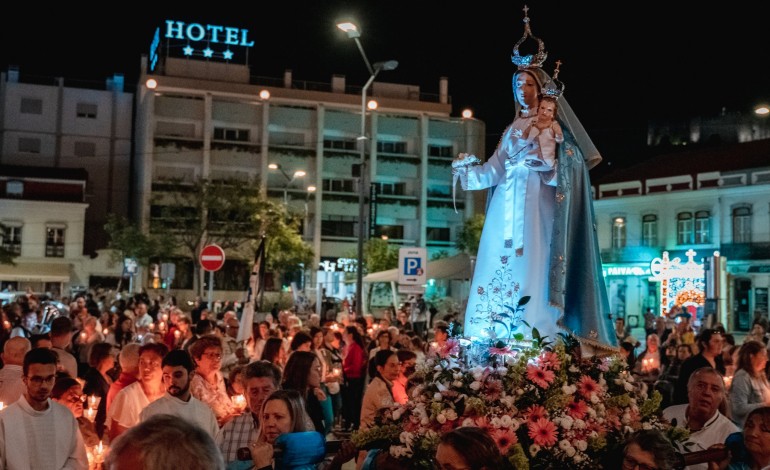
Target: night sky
x=623, y=64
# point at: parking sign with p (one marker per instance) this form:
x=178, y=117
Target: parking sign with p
x=411, y=266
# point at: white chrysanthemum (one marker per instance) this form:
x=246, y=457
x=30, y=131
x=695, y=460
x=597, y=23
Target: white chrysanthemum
x=505, y=421
x=451, y=414
x=468, y=423
x=396, y=414
x=475, y=385
x=519, y=391
x=628, y=386
x=425, y=421
x=534, y=449
x=406, y=438
x=457, y=375
x=567, y=422
x=508, y=401
x=581, y=445
x=437, y=397
x=515, y=423
x=568, y=389
x=570, y=451
x=495, y=422
x=579, y=458
x=594, y=398
x=400, y=451
x=574, y=369
x=564, y=444
x=579, y=424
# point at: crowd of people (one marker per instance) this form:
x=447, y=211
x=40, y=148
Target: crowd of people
x=299, y=386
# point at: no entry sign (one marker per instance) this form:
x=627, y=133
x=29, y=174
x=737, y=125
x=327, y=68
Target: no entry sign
x=212, y=258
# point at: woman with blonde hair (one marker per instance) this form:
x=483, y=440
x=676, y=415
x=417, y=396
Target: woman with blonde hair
x=750, y=388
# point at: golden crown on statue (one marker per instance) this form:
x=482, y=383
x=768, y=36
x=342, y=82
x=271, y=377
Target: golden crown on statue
x=554, y=87
x=530, y=60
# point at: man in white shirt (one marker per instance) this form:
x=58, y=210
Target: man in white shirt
x=178, y=401
x=143, y=319
x=36, y=432
x=700, y=415
x=11, y=384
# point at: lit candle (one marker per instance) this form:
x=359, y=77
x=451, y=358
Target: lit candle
x=106, y=331
x=99, y=453
x=2, y=405
x=162, y=326
x=164, y=317
x=151, y=326
x=83, y=336
x=336, y=372
x=7, y=325
x=177, y=334
x=728, y=381
x=90, y=414
x=239, y=401
x=93, y=401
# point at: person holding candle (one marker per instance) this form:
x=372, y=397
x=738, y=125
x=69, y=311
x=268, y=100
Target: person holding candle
x=208, y=383
x=101, y=361
x=177, y=369
x=68, y=392
x=652, y=360
x=36, y=432
x=750, y=388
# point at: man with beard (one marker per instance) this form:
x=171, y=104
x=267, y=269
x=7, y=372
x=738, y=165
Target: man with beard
x=178, y=401
x=36, y=432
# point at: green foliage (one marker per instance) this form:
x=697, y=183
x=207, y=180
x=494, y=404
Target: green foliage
x=128, y=241
x=441, y=254
x=379, y=255
x=470, y=234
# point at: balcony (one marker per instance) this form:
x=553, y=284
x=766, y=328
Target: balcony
x=745, y=251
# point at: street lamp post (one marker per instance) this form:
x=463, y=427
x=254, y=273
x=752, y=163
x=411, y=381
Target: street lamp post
x=289, y=179
x=353, y=33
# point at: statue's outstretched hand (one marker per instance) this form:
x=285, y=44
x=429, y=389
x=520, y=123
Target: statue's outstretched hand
x=465, y=159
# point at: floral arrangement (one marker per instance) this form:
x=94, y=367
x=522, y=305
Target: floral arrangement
x=544, y=405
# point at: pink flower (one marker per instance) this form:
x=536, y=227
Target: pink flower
x=504, y=438
x=483, y=423
x=587, y=386
x=535, y=413
x=493, y=390
x=541, y=377
x=543, y=432
x=550, y=360
x=577, y=409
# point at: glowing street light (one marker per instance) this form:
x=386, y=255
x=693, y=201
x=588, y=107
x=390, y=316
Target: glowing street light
x=289, y=179
x=762, y=110
x=351, y=29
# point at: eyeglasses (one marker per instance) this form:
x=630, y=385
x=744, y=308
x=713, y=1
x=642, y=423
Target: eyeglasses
x=630, y=463
x=77, y=398
x=213, y=356
x=37, y=380
x=149, y=364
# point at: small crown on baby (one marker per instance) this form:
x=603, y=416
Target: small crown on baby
x=528, y=61
x=554, y=87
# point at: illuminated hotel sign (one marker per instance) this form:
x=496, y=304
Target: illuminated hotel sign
x=682, y=284
x=626, y=271
x=203, y=40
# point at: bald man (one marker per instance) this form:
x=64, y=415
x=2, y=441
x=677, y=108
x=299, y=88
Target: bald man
x=11, y=385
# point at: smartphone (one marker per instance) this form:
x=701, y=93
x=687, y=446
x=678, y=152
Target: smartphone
x=243, y=453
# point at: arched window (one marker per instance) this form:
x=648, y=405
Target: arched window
x=650, y=230
x=742, y=224
x=702, y=227
x=684, y=225
x=618, y=232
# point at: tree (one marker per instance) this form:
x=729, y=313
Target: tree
x=6, y=255
x=232, y=214
x=128, y=241
x=378, y=256
x=470, y=234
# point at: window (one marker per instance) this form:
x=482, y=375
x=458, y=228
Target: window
x=702, y=227
x=86, y=110
x=340, y=144
x=29, y=145
x=742, y=225
x=31, y=106
x=11, y=238
x=440, y=151
x=54, y=242
x=85, y=149
x=684, y=233
x=393, y=232
x=340, y=186
x=14, y=188
x=439, y=234
x=391, y=189
x=287, y=138
x=391, y=147
x=650, y=230
x=233, y=135
x=618, y=232
x=338, y=228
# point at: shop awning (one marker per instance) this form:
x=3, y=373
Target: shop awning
x=457, y=267
x=35, y=272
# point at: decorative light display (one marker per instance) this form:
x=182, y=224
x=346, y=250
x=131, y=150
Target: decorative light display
x=680, y=284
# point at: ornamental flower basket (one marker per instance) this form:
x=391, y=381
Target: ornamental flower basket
x=544, y=405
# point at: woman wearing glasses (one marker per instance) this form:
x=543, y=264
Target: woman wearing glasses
x=68, y=392
x=208, y=383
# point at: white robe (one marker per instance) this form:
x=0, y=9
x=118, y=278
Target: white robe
x=40, y=440
x=514, y=251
